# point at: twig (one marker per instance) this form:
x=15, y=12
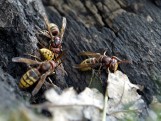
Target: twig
x=50, y=105
x=105, y=101
x=93, y=72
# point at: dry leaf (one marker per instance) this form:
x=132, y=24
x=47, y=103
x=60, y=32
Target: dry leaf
x=124, y=102
x=123, y=96
x=72, y=106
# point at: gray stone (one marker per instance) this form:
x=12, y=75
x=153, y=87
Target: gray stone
x=129, y=29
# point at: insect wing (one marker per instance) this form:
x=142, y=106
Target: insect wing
x=40, y=83
x=45, y=33
x=121, y=61
x=81, y=66
x=114, y=57
x=25, y=60
x=124, y=61
x=90, y=54
x=48, y=27
x=64, y=23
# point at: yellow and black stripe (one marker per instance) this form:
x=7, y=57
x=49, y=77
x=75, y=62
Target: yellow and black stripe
x=29, y=78
x=87, y=63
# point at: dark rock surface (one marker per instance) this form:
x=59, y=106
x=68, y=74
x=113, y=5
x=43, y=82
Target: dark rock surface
x=8, y=90
x=129, y=29
x=18, y=23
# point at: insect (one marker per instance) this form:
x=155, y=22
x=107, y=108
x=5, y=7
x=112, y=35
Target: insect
x=47, y=54
x=37, y=74
x=55, y=44
x=97, y=60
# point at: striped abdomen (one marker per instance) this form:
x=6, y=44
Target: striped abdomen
x=29, y=78
x=47, y=54
x=86, y=62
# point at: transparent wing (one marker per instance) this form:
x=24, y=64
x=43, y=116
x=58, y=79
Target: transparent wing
x=48, y=27
x=25, y=60
x=64, y=23
x=40, y=83
x=121, y=61
x=82, y=66
x=45, y=33
x=90, y=54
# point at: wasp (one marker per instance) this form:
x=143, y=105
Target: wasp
x=97, y=60
x=37, y=74
x=55, y=44
x=47, y=54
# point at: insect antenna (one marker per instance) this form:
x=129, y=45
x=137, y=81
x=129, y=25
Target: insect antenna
x=123, y=61
x=118, y=59
x=104, y=53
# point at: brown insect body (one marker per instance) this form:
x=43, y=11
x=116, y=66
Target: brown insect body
x=55, y=36
x=97, y=60
x=56, y=45
x=35, y=75
x=109, y=63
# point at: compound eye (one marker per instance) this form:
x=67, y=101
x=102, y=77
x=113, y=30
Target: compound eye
x=54, y=29
x=54, y=33
x=113, y=66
